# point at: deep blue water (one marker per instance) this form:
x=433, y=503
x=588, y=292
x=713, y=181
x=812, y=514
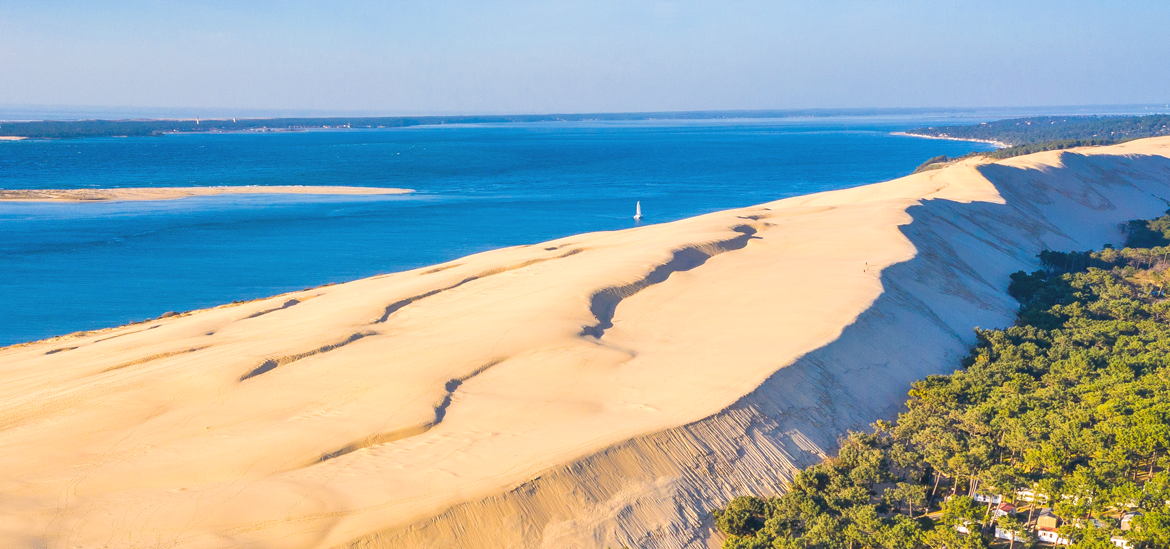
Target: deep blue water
x=69, y=267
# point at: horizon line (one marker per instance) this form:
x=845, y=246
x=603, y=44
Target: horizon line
x=282, y=114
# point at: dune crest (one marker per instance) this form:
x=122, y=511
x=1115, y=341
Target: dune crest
x=601, y=389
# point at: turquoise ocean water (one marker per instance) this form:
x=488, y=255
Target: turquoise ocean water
x=69, y=267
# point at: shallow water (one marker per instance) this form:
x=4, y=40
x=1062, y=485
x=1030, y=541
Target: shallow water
x=69, y=267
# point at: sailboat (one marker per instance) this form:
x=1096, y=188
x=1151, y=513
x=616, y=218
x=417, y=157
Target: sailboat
x=638, y=211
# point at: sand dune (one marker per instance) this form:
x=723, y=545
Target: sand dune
x=596, y=390
x=172, y=193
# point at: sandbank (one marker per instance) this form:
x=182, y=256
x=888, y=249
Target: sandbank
x=603, y=389
x=172, y=193
x=998, y=144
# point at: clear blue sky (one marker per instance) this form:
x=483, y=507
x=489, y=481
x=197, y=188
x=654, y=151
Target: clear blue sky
x=437, y=56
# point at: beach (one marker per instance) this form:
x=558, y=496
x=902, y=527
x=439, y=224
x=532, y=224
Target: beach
x=601, y=389
x=173, y=193
x=997, y=144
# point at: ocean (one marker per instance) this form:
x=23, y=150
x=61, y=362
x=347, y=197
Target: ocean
x=71, y=267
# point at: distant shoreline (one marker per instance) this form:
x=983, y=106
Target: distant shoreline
x=999, y=144
x=65, y=129
x=173, y=193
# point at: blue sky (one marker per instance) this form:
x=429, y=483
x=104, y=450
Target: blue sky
x=408, y=57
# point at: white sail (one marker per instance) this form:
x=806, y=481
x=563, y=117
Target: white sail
x=638, y=210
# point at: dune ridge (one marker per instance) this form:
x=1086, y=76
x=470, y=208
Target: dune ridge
x=174, y=193
x=601, y=389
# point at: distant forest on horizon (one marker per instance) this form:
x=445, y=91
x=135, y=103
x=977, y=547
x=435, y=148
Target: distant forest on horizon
x=63, y=129
x=1023, y=131
x=1045, y=133
x=1016, y=131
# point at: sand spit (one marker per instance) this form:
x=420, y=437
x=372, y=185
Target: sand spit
x=172, y=193
x=602, y=389
x=998, y=144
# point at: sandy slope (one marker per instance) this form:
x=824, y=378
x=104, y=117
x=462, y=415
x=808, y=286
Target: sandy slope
x=605, y=388
x=171, y=193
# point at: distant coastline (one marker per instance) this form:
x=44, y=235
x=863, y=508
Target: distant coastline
x=172, y=193
x=1047, y=132
x=998, y=144
x=66, y=129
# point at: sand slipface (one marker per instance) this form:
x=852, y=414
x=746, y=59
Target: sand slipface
x=602, y=389
x=172, y=193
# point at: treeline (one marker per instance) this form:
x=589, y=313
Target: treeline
x=1030, y=148
x=1047, y=129
x=58, y=129
x=1008, y=152
x=1067, y=412
x=1045, y=133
